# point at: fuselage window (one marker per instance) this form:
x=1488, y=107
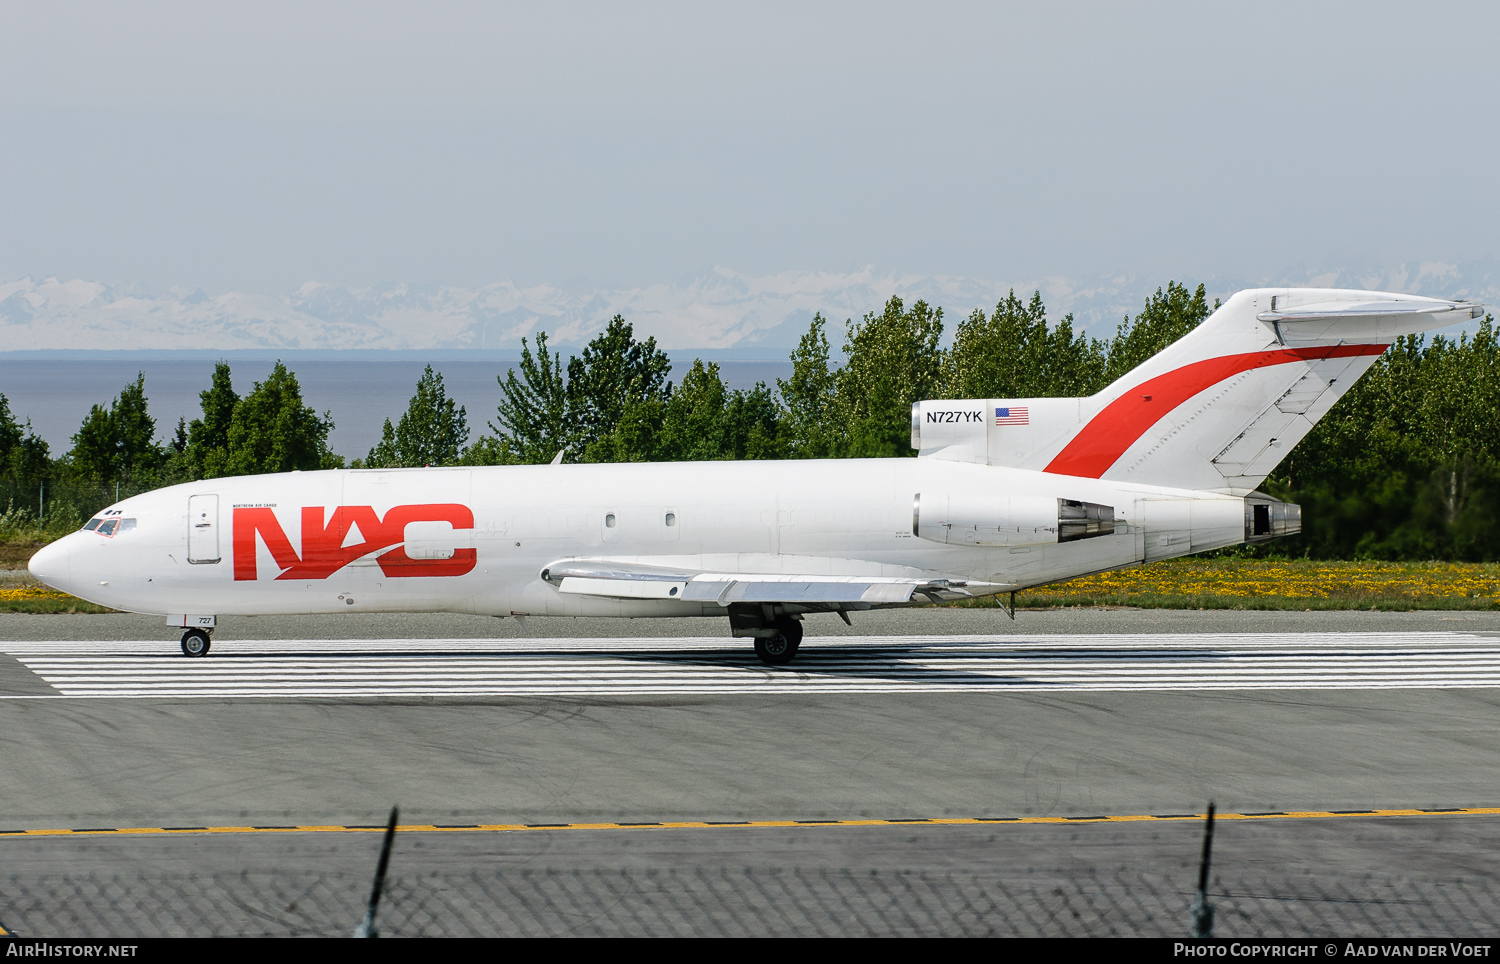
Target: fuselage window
x=107, y=528
x=609, y=520
x=671, y=518
x=91, y=525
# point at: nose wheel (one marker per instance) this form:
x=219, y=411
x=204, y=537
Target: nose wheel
x=195, y=643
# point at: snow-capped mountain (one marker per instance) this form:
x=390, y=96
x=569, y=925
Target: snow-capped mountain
x=721, y=309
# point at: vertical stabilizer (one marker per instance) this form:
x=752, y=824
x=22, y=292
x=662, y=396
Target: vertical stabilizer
x=1216, y=410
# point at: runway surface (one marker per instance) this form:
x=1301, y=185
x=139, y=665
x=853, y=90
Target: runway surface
x=581, y=667
x=917, y=715
x=1267, y=712
x=893, y=623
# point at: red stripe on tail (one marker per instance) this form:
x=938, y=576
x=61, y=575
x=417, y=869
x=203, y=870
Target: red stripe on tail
x=1107, y=435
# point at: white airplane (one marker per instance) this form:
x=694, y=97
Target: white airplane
x=1006, y=494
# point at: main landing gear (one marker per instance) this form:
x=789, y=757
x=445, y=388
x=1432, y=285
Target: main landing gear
x=195, y=642
x=779, y=648
x=777, y=634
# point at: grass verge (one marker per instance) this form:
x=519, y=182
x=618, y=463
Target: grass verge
x=15, y=553
x=25, y=595
x=60, y=603
x=1294, y=584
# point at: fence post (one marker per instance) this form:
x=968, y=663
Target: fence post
x=1203, y=913
x=367, y=926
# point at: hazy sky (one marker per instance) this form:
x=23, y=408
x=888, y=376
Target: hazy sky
x=258, y=146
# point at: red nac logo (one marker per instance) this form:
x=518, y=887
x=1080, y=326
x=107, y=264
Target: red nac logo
x=323, y=549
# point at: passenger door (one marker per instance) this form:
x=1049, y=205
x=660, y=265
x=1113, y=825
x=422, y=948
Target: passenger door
x=203, y=529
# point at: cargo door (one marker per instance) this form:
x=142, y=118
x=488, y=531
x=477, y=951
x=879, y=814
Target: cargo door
x=203, y=529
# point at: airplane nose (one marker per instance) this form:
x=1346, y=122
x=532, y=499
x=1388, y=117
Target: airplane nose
x=50, y=564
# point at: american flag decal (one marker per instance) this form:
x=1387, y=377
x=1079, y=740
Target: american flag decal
x=1015, y=415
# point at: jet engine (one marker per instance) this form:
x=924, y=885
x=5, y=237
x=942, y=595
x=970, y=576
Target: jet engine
x=966, y=519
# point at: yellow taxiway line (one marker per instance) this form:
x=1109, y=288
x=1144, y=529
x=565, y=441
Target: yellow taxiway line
x=752, y=824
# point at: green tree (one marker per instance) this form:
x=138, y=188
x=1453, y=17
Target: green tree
x=117, y=444
x=272, y=430
x=489, y=450
x=1013, y=353
x=10, y=430
x=24, y=458
x=893, y=361
x=176, y=466
x=693, y=423
x=534, y=420
x=207, y=447
x=753, y=425
x=808, y=397
x=433, y=431
x=613, y=372
x=1167, y=317
x=92, y=458
x=702, y=419
x=30, y=461
x=1407, y=464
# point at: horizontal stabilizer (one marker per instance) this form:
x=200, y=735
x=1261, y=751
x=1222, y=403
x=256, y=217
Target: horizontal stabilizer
x=1317, y=312
x=1325, y=322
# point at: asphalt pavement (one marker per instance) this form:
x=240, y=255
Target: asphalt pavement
x=734, y=756
x=890, y=622
x=788, y=754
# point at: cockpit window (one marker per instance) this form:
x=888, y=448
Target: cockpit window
x=107, y=528
x=126, y=525
x=91, y=525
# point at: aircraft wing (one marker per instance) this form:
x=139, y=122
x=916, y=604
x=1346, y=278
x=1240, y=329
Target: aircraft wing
x=633, y=581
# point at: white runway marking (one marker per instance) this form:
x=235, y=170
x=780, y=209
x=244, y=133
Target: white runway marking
x=849, y=664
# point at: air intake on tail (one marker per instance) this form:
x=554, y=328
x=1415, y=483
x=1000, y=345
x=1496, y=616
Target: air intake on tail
x=981, y=519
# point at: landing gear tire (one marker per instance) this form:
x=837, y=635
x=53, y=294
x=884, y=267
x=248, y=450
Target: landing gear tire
x=195, y=643
x=780, y=649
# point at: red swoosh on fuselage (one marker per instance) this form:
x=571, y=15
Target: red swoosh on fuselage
x=1107, y=435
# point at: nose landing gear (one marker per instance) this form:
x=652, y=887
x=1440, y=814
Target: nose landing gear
x=195, y=642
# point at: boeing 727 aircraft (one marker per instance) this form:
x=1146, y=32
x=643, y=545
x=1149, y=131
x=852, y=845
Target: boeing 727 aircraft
x=1006, y=494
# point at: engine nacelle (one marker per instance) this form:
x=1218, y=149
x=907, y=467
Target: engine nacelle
x=973, y=519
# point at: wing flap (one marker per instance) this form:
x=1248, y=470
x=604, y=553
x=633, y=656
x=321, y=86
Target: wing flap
x=629, y=581
x=622, y=588
x=751, y=589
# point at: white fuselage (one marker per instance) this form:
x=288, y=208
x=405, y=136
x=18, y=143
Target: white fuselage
x=475, y=540
x=1006, y=494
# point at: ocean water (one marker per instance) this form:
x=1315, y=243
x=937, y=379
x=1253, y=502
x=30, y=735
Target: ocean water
x=361, y=394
